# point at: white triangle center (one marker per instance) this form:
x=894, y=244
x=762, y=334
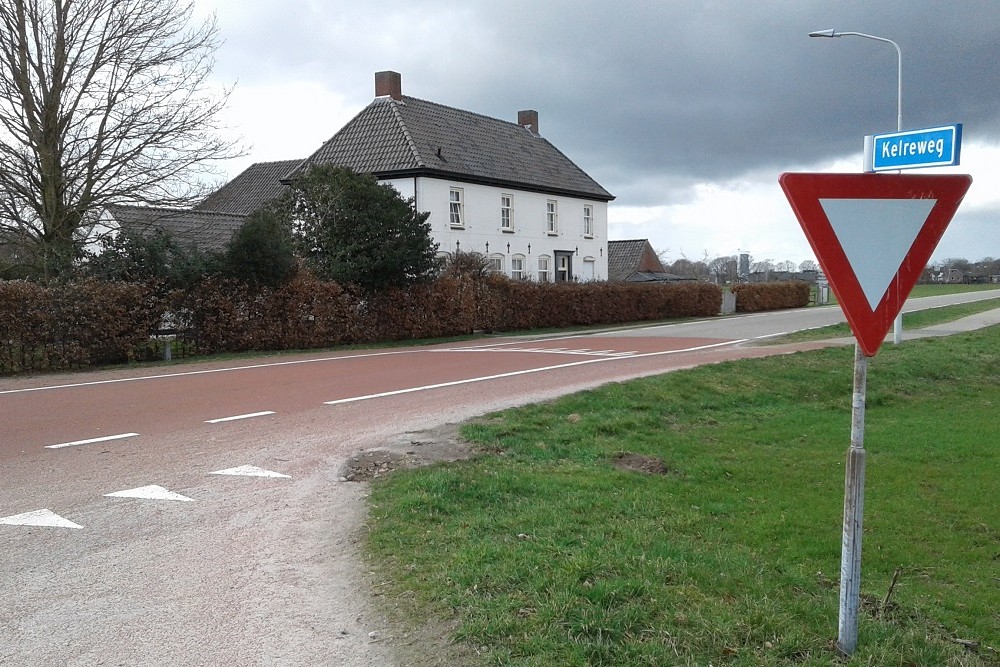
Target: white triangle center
x=151, y=492
x=876, y=235
x=249, y=471
x=46, y=518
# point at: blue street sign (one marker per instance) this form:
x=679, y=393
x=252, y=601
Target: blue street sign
x=930, y=147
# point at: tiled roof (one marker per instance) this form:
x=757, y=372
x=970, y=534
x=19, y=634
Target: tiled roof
x=257, y=184
x=412, y=136
x=635, y=261
x=657, y=277
x=624, y=258
x=205, y=230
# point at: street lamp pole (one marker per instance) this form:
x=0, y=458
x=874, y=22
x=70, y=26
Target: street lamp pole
x=899, y=65
x=897, y=328
x=854, y=478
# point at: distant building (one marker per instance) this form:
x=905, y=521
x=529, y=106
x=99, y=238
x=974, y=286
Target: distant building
x=635, y=261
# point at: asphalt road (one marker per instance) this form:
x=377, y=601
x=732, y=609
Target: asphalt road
x=147, y=555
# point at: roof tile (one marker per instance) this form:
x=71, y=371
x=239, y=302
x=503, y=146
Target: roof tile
x=392, y=137
x=257, y=184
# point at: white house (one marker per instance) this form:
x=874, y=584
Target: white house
x=491, y=186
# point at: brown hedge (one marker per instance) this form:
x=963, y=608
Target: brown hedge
x=757, y=297
x=95, y=323
x=82, y=324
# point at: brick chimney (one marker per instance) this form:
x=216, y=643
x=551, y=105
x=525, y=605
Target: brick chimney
x=528, y=119
x=389, y=84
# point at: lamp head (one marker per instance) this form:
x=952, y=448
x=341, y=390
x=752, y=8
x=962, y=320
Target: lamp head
x=824, y=33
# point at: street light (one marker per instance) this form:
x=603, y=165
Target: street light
x=850, y=560
x=897, y=328
x=899, y=65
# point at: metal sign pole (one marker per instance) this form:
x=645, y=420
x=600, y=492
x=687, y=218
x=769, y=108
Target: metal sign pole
x=854, y=505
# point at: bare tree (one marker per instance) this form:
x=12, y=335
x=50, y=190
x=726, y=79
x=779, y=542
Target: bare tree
x=808, y=265
x=101, y=102
x=724, y=268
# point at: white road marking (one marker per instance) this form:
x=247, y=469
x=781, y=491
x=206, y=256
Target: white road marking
x=238, y=417
x=151, y=492
x=91, y=441
x=249, y=471
x=498, y=376
x=210, y=371
x=539, y=350
x=46, y=518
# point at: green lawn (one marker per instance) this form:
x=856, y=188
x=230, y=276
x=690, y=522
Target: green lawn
x=542, y=552
x=915, y=320
x=938, y=290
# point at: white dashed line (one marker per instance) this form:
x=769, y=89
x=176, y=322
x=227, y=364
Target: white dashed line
x=238, y=417
x=586, y=352
x=527, y=371
x=91, y=441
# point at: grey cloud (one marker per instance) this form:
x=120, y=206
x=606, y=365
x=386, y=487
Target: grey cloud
x=651, y=96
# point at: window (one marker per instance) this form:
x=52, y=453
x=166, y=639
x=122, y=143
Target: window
x=517, y=267
x=496, y=263
x=552, y=216
x=456, y=214
x=588, y=221
x=544, y=269
x=506, y=213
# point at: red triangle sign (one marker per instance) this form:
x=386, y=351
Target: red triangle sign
x=873, y=234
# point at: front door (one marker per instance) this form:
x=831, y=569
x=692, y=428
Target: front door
x=564, y=265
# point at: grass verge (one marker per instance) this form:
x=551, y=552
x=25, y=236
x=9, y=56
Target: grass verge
x=544, y=552
x=915, y=320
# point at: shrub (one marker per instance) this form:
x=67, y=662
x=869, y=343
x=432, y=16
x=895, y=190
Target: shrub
x=757, y=297
x=93, y=322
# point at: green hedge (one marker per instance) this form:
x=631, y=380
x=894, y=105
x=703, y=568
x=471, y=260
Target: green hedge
x=96, y=323
x=757, y=297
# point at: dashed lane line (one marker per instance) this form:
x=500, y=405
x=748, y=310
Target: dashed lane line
x=541, y=350
x=238, y=417
x=484, y=378
x=91, y=441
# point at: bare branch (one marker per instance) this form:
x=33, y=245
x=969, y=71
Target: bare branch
x=102, y=102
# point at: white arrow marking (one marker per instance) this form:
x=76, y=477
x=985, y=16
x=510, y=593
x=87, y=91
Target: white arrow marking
x=232, y=419
x=876, y=235
x=151, y=492
x=45, y=518
x=249, y=471
x=91, y=441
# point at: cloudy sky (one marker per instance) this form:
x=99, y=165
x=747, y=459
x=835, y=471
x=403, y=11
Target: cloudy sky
x=686, y=111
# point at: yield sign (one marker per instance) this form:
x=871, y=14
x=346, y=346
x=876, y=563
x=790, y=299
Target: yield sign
x=873, y=234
